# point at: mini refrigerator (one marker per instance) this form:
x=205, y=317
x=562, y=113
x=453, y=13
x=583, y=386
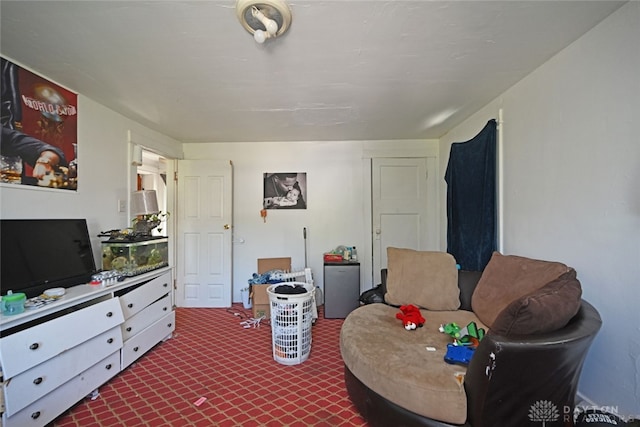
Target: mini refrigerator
x=341, y=288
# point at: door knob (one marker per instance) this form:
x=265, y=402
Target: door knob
x=227, y=226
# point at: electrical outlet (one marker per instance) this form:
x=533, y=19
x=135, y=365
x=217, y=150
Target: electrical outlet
x=122, y=205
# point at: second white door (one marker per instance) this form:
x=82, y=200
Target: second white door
x=404, y=207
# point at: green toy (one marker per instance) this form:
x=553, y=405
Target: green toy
x=450, y=329
x=470, y=335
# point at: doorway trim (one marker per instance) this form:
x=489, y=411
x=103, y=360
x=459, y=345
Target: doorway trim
x=170, y=150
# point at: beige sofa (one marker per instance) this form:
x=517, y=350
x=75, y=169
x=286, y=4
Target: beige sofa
x=534, y=315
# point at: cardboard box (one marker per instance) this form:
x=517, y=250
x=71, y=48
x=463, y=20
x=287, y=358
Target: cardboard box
x=259, y=296
x=268, y=264
x=260, y=300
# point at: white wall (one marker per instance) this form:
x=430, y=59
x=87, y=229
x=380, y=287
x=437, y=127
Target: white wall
x=338, y=203
x=334, y=203
x=571, y=174
x=103, y=175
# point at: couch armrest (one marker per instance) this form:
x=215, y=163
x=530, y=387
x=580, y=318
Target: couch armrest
x=507, y=376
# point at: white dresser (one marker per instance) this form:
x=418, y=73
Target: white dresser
x=54, y=356
x=148, y=317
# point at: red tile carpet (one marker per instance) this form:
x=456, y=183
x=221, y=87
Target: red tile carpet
x=212, y=357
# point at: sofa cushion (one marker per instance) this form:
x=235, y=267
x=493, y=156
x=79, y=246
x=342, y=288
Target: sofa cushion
x=396, y=364
x=507, y=278
x=423, y=278
x=544, y=310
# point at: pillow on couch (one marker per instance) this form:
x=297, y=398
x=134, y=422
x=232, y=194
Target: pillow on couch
x=423, y=278
x=507, y=278
x=544, y=310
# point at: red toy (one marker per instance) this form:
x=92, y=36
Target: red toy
x=410, y=316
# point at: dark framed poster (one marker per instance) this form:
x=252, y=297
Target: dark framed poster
x=285, y=190
x=39, y=131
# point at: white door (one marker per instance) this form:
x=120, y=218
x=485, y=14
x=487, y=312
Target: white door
x=204, y=213
x=404, y=206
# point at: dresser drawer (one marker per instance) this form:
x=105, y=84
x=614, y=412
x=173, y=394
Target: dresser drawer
x=31, y=385
x=136, y=300
x=28, y=348
x=146, y=317
x=45, y=410
x=139, y=344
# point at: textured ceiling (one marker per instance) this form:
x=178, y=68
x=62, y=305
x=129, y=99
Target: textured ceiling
x=345, y=70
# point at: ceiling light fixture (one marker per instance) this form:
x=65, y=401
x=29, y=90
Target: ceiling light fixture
x=264, y=18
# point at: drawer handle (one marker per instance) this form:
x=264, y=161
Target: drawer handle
x=129, y=329
x=34, y=346
x=169, y=325
x=165, y=308
x=110, y=341
x=109, y=314
x=135, y=348
x=130, y=305
x=35, y=415
x=165, y=285
x=37, y=380
x=108, y=366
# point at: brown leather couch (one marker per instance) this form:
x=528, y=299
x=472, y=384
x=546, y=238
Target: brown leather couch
x=535, y=378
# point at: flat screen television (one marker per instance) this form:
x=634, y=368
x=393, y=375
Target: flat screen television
x=38, y=254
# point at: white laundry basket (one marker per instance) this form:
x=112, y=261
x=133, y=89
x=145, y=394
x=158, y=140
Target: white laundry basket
x=291, y=322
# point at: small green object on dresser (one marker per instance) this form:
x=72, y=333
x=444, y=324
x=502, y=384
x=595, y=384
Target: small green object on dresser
x=13, y=303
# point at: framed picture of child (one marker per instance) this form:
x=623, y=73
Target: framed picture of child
x=285, y=190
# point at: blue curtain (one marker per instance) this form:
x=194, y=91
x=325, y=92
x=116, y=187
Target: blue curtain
x=471, y=199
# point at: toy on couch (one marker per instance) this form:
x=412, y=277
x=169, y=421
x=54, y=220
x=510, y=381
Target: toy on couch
x=410, y=316
x=464, y=344
x=459, y=354
x=470, y=335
